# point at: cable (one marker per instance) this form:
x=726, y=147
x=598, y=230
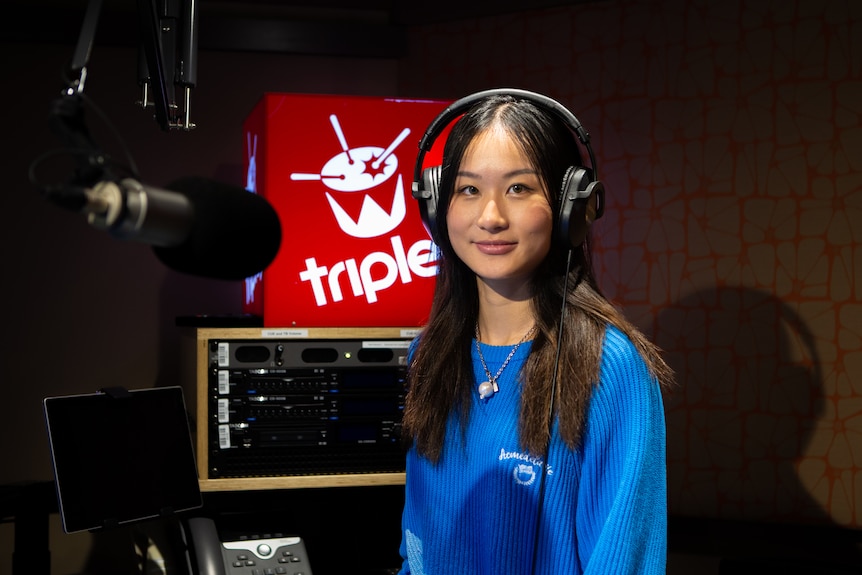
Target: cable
x=551, y=406
x=67, y=121
x=131, y=166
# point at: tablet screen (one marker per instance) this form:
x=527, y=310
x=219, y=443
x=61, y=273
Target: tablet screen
x=121, y=457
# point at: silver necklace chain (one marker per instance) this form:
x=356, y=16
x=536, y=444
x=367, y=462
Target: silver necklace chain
x=490, y=387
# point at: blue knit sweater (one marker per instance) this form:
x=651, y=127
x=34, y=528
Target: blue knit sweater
x=605, y=508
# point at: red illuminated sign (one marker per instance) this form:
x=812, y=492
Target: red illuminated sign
x=338, y=171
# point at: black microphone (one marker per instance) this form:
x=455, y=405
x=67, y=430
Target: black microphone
x=196, y=226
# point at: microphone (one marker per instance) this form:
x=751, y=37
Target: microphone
x=197, y=226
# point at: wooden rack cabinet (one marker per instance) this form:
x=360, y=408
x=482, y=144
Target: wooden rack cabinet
x=196, y=352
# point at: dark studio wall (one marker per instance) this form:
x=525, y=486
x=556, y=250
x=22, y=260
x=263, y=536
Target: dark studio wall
x=728, y=135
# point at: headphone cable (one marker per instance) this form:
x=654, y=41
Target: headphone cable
x=551, y=406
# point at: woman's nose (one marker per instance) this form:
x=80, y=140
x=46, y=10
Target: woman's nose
x=492, y=216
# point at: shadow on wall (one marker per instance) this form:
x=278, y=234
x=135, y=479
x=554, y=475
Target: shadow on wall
x=747, y=444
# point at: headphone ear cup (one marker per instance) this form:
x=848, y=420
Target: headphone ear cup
x=428, y=200
x=578, y=206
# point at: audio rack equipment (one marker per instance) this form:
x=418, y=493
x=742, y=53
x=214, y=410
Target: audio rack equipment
x=300, y=407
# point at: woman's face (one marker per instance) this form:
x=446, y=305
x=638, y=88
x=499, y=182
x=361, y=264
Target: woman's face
x=499, y=217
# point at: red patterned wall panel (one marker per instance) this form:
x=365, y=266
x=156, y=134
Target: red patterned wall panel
x=729, y=135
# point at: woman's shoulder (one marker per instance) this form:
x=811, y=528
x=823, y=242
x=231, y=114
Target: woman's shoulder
x=621, y=360
x=617, y=345
x=627, y=390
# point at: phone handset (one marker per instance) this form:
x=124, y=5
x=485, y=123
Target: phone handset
x=204, y=547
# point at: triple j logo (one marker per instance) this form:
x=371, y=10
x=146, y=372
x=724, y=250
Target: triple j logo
x=359, y=171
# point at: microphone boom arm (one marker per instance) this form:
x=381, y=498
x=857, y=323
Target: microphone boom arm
x=168, y=28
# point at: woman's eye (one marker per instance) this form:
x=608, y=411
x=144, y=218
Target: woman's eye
x=519, y=189
x=468, y=190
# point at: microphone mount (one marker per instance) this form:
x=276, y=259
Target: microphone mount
x=166, y=27
x=167, y=64
x=167, y=58
x=185, y=226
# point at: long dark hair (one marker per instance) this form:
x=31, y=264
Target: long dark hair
x=438, y=387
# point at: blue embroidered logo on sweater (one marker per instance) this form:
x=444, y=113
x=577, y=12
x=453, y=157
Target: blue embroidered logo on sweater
x=524, y=474
x=527, y=467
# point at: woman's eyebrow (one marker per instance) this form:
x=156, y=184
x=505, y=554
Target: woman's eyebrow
x=513, y=173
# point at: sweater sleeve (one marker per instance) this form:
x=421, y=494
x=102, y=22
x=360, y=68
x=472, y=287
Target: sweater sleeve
x=622, y=504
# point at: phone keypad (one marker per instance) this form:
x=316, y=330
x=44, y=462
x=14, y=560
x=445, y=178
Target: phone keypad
x=285, y=556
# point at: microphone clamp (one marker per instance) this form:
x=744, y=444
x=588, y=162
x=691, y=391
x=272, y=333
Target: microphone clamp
x=128, y=210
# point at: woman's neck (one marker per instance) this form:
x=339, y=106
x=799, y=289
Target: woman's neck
x=503, y=320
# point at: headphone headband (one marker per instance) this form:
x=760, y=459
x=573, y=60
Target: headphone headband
x=458, y=107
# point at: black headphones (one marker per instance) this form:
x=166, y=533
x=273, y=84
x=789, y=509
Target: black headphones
x=582, y=195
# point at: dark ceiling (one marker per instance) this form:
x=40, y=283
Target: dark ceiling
x=363, y=28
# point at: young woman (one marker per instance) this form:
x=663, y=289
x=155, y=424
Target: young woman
x=534, y=408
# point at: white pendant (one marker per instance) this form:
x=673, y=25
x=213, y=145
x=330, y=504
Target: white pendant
x=486, y=390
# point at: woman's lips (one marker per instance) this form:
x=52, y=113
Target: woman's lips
x=495, y=248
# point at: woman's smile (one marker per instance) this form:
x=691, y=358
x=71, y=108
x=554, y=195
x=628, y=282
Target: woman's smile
x=495, y=248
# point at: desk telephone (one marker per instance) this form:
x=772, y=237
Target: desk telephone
x=252, y=555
